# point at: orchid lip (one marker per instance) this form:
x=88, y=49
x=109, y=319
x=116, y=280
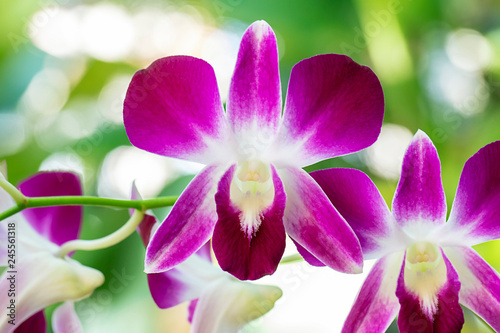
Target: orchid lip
x=425, y=273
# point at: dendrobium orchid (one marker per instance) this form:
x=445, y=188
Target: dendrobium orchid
x=253, y=191
x=219, y=303
x=426, y=266
x=41, y=276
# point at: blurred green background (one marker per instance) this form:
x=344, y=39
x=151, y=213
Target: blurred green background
x=65, y=66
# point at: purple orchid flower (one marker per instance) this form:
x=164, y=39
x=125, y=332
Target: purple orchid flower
x=218, y=302
x=43, y=278
x=253, y=191
x=426, y=267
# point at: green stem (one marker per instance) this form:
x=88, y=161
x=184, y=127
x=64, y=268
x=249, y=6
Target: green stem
x=141, y=205
x=291, y=259
x=18, y=197
x=11, y=211
x=96, y=244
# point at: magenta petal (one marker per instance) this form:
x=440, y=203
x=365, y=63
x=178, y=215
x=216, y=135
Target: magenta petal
x=308, y=257
x=145, y=227
x=376, y=305
x=480, y=290
x=357, y=199
x=419, y=197
x=476, y=209
x=249, y=258
x=205, y=252
x=312, y=221
x=148, y=221
x=173, y=108
x=34, y=324
x=191, y=309
x=184, y=282
x=448, y=316
x=333, y=107
x=189, y=225
x=254, y=103
x=58, y=224
x=172, y=288
x=177, y=285
x=411, y=316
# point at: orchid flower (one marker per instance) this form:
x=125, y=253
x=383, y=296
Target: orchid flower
x=426, y=267
x=219, y=303
x=43, y=278
x=253, y=190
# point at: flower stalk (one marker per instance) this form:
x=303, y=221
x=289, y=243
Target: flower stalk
x=101, y=243
x=18, y=197
x=34, y=202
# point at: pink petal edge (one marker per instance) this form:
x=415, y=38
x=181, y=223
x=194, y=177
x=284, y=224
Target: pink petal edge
x=188, y=226
x=312, y=221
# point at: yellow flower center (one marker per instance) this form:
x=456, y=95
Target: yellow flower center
x=252, y=191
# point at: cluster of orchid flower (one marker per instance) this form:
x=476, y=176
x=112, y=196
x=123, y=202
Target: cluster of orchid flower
x=253, y=191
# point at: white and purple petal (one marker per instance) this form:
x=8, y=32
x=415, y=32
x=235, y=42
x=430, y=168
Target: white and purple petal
x=43, y=280
x=191, y=309
x=357, y=199
x=376, y=305
x=432, y=303
x=312, y=221
x=173, y=108
x=185, y=282
x=205, y=252
x=227, y=305
x=480, y=290
x=171, y=288
x=65, y=319
x=333, y=107
x=254, y=103
x=249, y=252
x=189, y=225
x=419, y=201
x=308, y=256
x=475, y=214
x=58, y=224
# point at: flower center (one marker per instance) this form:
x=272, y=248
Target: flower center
x=425, y=273
x=252, y=191
x=423, y=255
